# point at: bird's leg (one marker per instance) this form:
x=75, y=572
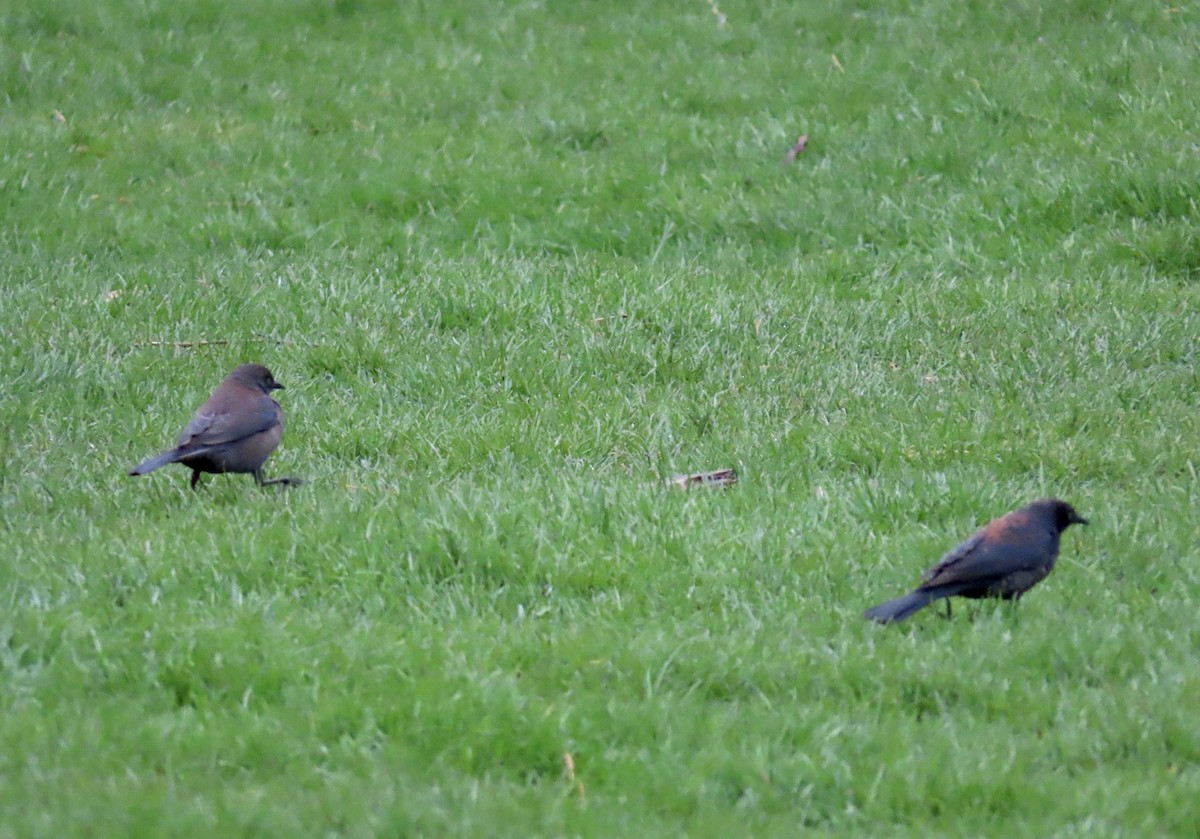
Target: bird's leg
x=1014, y=609
x=195, y=477
x=949, y=612
x=287, y=482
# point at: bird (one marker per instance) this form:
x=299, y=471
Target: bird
x=234, y=431
x=1004, y=558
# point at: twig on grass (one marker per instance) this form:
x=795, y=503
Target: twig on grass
x=797, y=149
x=722, y=478
x=218, y=342
x=180, y=344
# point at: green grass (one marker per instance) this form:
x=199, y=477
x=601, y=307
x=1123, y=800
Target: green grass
x=518, y=262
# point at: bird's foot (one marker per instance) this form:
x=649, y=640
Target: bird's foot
x=287, y=482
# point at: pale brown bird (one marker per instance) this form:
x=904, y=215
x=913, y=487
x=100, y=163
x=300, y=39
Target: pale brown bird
x=234, y=431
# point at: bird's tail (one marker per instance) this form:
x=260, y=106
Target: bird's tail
x=901, y=607
x=155, y=462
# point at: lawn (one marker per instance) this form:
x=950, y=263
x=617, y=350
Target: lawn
x=516, y=264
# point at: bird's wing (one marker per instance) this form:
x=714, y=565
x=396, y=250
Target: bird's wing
x=211, y=429
x=986, y=555
x=957, y=554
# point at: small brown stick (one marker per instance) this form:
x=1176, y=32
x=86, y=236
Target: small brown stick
x=215, y=342
x=722, y=478
x=180, y=344
x=797, y=149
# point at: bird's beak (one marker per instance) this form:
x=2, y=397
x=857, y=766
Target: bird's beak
x=1078, y=519
x=277, y=386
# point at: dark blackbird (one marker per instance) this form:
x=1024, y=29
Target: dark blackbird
x=1005, y=558
x=234, y=431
